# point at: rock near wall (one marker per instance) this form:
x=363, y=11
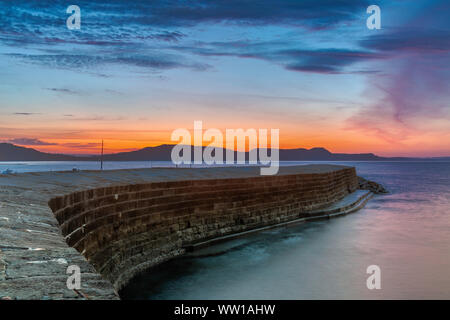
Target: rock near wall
x=372, y=186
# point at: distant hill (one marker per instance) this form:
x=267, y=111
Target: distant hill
x=159, y=153
x=163, y=153
x=10, y=152
x=322, y=154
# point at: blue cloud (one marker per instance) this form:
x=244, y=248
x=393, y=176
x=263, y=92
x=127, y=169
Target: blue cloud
x=84, y=62
x=151, y=34
x=120, y=32
x=331, y=60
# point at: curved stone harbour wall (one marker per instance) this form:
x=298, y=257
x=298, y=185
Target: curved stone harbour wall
x=122, y=230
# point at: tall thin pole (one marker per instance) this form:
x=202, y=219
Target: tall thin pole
x=101, y=158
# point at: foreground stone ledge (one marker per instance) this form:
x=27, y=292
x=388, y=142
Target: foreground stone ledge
x=115, y=224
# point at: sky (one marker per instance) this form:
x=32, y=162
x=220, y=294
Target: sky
x=136, y=71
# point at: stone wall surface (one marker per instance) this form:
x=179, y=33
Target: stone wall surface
x=124, y=229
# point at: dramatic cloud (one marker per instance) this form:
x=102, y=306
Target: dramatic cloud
x=414, y=89
x=172, y=13
x=319, y=50
x=119, y=33
x=30, y=142
x=25, y=113
x=87, y=62
x=168, y=36
x=332, y=60
x=326, y=61
x=95, y=118
x=75, y=145
x=40, y=143
x=63, y=90
x=412, y=40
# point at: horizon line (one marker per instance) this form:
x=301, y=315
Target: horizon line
x=85, y=155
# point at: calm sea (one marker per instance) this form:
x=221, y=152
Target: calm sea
x=406, y=233
x=39, y=166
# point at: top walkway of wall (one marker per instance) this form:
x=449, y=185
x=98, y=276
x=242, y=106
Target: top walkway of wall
x=64, y=182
